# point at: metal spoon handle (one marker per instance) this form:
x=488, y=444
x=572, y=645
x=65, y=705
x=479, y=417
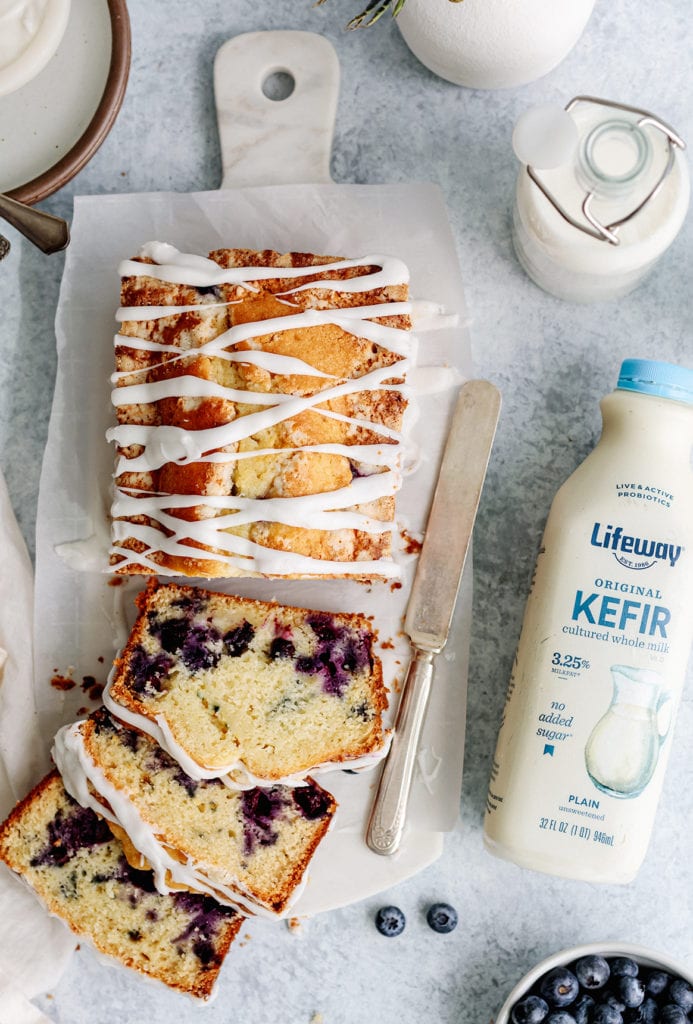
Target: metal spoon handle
x=49, y=233
x=386, y=825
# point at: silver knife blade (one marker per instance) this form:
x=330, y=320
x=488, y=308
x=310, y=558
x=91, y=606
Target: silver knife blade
x=453, y=511
x=434, y=593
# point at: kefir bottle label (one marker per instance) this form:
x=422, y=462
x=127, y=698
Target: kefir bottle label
x=599, y=669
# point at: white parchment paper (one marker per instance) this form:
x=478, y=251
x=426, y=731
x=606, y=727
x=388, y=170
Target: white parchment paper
x=34, y=947
x=82, y=618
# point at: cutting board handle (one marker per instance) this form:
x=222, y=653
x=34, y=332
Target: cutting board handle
x=276, y=142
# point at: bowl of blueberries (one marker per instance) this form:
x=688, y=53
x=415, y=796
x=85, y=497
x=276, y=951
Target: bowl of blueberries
x=602, y=984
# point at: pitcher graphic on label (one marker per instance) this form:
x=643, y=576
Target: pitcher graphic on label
x=622, y=751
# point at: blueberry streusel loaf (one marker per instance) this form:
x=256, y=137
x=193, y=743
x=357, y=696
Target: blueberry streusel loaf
x=248, y=849
x=256, y=691
x=70, y=858
x=260, y=400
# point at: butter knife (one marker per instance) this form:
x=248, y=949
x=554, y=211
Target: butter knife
x=433, y=596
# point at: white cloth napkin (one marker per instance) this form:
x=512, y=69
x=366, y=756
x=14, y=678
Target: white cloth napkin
x=34, y=947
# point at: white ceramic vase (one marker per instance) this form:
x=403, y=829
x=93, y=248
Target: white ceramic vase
x=492, y=44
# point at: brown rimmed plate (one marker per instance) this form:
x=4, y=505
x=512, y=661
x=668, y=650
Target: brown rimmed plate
x=52, y=126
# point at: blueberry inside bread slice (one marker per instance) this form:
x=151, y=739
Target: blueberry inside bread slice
x=258, y=692
x=77, y=868
x=249, y=849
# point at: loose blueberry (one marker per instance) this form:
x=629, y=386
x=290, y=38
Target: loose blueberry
x=559, y=987
x=656, y=982
x=623, y=966
x=560, y=1017
x=630, y=991
x=646, y=1013
x=614, y=1001
x=582, y=1008
x=605, y=1014
x=592, y=972
x=672, y=1014
x=390, y=921
x=532, y=1010
x=681, y=994
x=442, y=918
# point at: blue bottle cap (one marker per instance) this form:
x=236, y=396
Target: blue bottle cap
x=652, y=378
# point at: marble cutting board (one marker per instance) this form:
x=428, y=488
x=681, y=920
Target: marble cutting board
x=276, y=193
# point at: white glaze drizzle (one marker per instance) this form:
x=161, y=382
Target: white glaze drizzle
x=234, y=775
x=87, y=783
x=372, y=454
x=425, y=315
x=189, y=386
x=169, y=444
x=177, y=267
x=395, y=339
x=248, y=556
x=240, y=511
x=128, y=313
x=184, y=446
x=273, y=362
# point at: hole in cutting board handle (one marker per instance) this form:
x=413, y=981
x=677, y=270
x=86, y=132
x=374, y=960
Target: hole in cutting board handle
x=275, y=142
x=278, y=85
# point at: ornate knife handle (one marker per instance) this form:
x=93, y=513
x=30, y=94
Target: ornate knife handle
x=49, y=233
x=388, y=815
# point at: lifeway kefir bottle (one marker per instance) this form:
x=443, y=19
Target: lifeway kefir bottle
x=600, y=665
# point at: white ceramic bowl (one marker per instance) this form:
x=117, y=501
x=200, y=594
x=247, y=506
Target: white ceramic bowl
x=642, y=955
x=53, y=125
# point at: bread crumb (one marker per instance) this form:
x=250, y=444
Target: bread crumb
x=294, y=925
x=412, y=545
x=92, y=688
x=62, y=683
